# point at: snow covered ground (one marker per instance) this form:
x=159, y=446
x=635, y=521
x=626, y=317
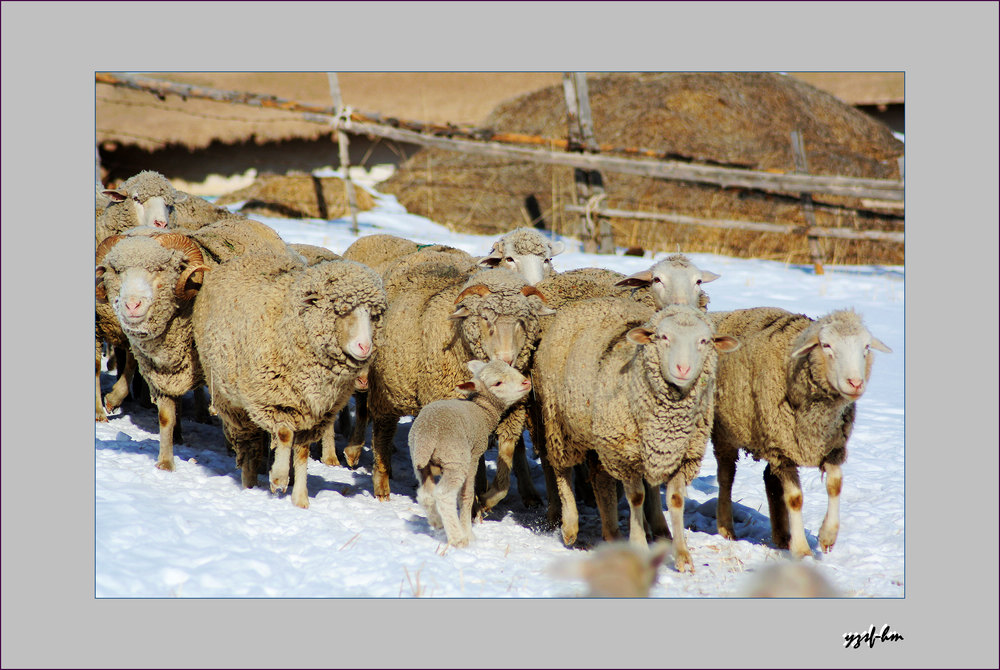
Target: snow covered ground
x=195, y=533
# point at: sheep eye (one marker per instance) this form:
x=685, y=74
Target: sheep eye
x=548, y=260
x=657, y=280
x=697, y=282
x=498, y=384
x=509, y=259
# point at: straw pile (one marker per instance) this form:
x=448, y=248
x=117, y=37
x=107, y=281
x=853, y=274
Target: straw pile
x=297, y=196
x=732, y=119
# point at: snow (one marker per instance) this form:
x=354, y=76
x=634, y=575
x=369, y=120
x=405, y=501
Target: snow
x=196, y=533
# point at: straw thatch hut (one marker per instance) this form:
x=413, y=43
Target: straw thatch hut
x=733, y=119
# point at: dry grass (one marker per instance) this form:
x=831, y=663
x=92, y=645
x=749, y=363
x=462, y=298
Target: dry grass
x=297, y=196
x=742, y=120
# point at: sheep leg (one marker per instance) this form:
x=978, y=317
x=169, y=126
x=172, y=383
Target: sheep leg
x=606, y=495
x=300, y=488
x=446, y=495
x=675, y=502
x=831, y=522
x=776, y=509
x=329, y=445
x=425, y=496
x=481, y=482
x=656, y=523
x=525, y=487
x=501, y=482
x=247, y=460
x=99, y=415
x=281, y=444
x=167, y=414
x=635, y=493
x=554, y=513
x=726, y=474
x=468, y=496
x=383, y=431
x=570, y=519
x=792, y=498
x=352, y=452
x=119, y=391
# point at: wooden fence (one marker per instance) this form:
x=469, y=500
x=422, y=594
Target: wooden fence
x=627, y=160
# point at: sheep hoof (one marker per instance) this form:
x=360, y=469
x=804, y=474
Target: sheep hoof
x=352, y=455
x=569, y=537
x=827, y=538
x=101, y=418
x=380, y=486
x=331, y=460
x=727, y=533
x=303, y=503
x=279, y=484
x=165, y=465
x=683, y=562
x=460, y=542
x=531, y=500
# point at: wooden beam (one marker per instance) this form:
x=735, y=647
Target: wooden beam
x=802, y=167
x=840, y=233
x=343, y=146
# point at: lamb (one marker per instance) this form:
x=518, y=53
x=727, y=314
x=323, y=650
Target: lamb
x=149, y=277
x=492, y=314
x=527, y=252
x=615, y=569
x=635, y=388
x=281, y=345
x=673, y=281
x=448, y=437
x=789, y=398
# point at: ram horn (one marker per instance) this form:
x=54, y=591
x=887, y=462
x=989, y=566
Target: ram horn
x=478, y=289
x=105, y=246
x=196, y=262
x=531, y=290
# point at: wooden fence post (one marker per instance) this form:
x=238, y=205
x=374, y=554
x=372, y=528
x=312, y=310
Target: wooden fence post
x=343, y=144
x=589, y=183
x=801, y=166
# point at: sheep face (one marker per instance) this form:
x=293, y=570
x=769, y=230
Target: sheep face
x=500, y=325
x=682, y=341
x=526, y=252
x=340, y=321
x=499, y=379
x=673, y=281
x=151, y=197
x=842, y=348
x=139, y=276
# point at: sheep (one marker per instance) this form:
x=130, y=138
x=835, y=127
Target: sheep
x=193, y=213
x=439, y=318
x=673, y=281
x=448, y=437
x=636, y=388
x=281, y=345
x=789, y=398
x=379, y=251
x=149, y=284
x=144, y=199
x=527, y=252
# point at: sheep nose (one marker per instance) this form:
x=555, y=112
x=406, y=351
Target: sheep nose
x=157, y=223
x=855, y=383
x=132, y=306
x=683, y=370
x=364, y=348
x=526, y=384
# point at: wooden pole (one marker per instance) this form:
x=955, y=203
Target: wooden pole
x=801, y=166
x=362, y=124
x=589, y=183
x=343, y=144
x=839, y=233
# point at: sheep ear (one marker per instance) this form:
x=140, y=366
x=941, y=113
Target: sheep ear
x=558, y=248
x=812, y=342
x=461, y=313
x=707, y=276
x=490, y=261
x=878, y=344
x=726, y=343
x=544, y=310
x=180, y=196
x=116, y=195
x=639, y=279
x=475, y=366
x=640, y=335
x=468, y=387
x=310, y=298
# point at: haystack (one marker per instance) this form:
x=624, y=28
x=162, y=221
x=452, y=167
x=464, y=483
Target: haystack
x=732, y=119
x=297, y=196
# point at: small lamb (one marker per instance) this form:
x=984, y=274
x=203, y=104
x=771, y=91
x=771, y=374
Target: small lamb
x=449, y=436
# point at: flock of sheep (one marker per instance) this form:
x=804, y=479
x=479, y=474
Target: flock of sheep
x=620, y=380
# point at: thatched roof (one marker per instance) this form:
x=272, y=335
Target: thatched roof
x=297, y=196
x=858, y=88
x=741, y=119
x=128, y=117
